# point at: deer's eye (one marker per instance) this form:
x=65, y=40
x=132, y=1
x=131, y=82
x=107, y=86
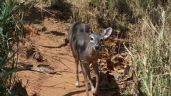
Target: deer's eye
x=91, y=38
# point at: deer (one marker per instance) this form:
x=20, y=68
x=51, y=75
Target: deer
x=85, y=46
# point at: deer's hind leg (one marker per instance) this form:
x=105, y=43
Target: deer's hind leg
x=77, y=73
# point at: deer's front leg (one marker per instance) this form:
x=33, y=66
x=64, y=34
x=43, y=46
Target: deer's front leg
x=96, y=69
x=84, y=70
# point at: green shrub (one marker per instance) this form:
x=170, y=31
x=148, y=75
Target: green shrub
x=9, y=38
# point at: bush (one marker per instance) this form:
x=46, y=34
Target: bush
x=9, y=37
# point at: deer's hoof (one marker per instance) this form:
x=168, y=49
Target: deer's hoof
x=94, y=92
x=77, y=84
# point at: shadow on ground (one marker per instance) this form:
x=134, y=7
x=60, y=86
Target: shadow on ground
x=108, y=86
x=56, y=33
x=19, y=90
x=74, y=92
x=61, y=11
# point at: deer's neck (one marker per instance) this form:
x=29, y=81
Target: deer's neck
x=91, y=53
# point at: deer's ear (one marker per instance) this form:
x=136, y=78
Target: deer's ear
x=106, y=33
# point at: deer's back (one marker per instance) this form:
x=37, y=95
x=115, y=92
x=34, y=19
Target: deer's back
x=78, y=39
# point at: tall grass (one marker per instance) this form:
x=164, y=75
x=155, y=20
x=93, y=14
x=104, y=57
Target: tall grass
x=153, y=61
x=151, y=51
x=9, y=37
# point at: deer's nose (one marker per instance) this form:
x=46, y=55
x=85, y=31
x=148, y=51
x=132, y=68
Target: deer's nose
x=97, y=47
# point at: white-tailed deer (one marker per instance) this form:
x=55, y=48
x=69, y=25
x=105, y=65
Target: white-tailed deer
x=85, y=46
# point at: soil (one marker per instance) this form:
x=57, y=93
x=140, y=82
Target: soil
x=40, y=49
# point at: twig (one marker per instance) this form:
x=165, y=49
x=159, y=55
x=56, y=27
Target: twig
x=64, y=64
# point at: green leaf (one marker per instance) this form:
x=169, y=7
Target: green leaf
x=1, y=29
x=1, y=62
x=7, y=72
